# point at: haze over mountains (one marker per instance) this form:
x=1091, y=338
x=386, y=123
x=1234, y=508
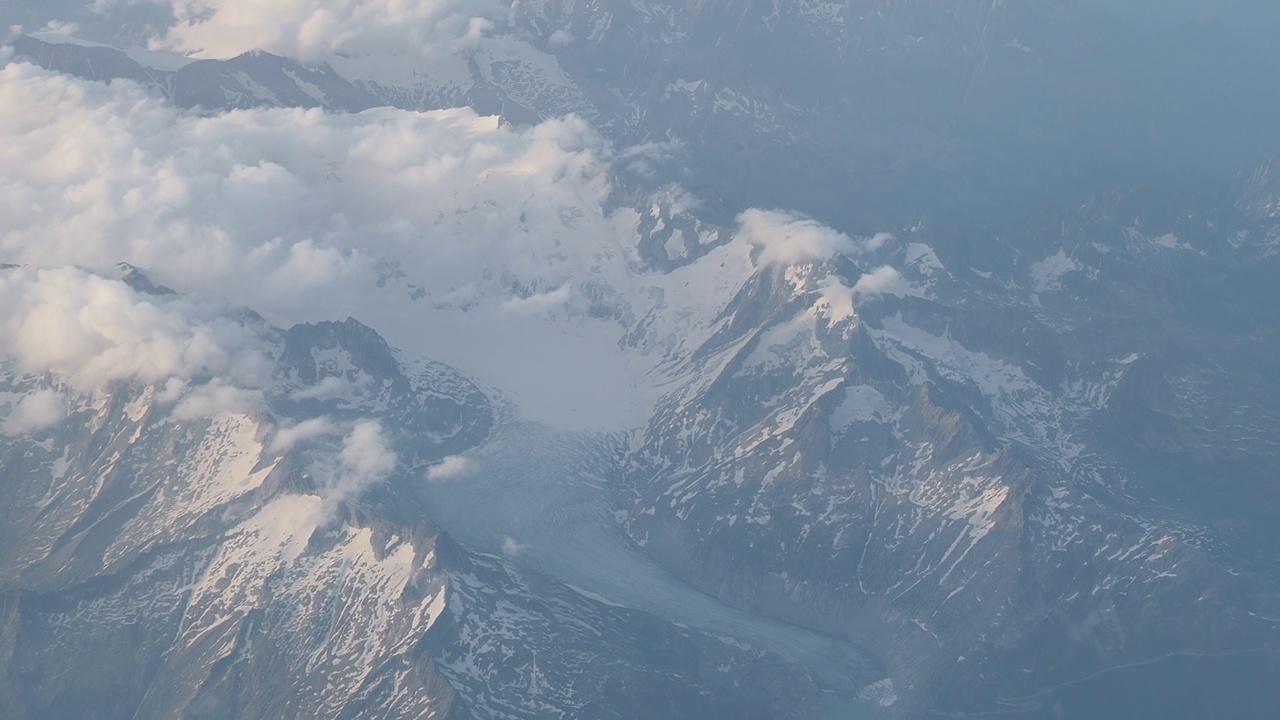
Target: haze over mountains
x=468, y=359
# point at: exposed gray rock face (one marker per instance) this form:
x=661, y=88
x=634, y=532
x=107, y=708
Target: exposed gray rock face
x=1020, y=457
x=1257, y=193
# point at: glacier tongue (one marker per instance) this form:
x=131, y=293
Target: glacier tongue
x=542, y=496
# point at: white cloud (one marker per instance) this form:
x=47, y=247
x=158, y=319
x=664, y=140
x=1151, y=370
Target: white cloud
x=448, y=468
x=881, y=280
x=35, y=411
x=332, y=386
x=511, y=548
x=290, y=211
x=877, y=241
x=286, y=437
x=216, y=397
x=365, y=452
x=172, y=391
x=366, y=459
x=93, y=331
x=788, y=239
x=539, y=302
x=561, y=38
x=316, y=30
x=298, y=214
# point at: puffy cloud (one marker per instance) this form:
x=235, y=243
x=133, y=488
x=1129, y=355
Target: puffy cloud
x=882, y=279
x=366, y=459
x=448, y=468
x=332, y=386
x=511, y=548
x=92, y=331
x=316, y=30
x=419, y=224
x=286, y=437
x=365, y=452
x=786, y=238
x=877, y=241
x=35, y=411
x=561, y=38
x=289, y=211
x=215, y=397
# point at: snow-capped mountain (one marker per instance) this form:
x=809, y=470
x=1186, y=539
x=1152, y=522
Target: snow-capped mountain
x=987, y=456
x=172, y=554
x=597, y=437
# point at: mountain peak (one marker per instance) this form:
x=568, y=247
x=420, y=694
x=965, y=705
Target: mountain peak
x=314, y=351
x=138, y=280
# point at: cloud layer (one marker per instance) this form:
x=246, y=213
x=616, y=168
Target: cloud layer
x=424, y=225
x=281, y=207
x=315, y=30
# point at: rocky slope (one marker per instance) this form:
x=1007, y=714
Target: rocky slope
x=1022, y=467
x=164, y=558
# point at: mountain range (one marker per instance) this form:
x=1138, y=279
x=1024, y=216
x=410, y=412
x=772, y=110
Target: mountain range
x=982, y=422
